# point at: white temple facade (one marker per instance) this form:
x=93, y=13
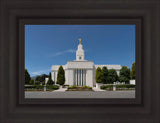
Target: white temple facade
x=80, y=72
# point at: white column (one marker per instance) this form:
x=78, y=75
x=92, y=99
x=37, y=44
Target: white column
x=74, y=80
x=53, y=76
x=75, y=76
x=85, y=77
x=82, y=77
x=56, y=76
x=78, y=77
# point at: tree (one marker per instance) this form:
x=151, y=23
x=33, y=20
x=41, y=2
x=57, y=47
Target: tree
x=31, y=82
x=37, y=83
x=99, y=75
x=105, y=74
x=61, y=76
x=41, y=78
x=112, y=76
x=50, y=81
x=27, y=77
x=38, y=78
x=133, y=71
x=43, y=83
x=123, y=79
x=124, y=75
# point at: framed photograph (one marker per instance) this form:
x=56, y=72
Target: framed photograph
x=78, y=77
x=72, y=61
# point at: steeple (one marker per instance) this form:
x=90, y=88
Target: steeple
x=79, y=40
x=80, y=52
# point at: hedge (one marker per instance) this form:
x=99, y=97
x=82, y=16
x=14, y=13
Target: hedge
x=39, y=87
x=54, y=87
x=34, y=87
x=107, y=87
x=117, y=86
x=126, y=86
x=75, y=86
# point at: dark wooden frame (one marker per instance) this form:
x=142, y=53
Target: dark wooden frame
x=144, y=108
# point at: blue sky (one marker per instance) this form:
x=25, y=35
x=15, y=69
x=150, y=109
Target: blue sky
x=47, y=45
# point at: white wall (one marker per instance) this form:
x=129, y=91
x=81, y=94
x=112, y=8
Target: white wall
x=89, y=78
x=46, y=80
x=94, y=74
x=66, y=77
x=52, y=74
x=132, y=82
x=90, y=71
x=70, y=77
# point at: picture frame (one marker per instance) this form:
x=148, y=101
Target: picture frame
x=145, y=107
x=80, y=23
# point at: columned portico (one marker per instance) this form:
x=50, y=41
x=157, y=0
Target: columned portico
x=79, y=77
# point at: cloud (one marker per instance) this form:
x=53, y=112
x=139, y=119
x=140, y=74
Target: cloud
x=63, y=52
x=40, y=72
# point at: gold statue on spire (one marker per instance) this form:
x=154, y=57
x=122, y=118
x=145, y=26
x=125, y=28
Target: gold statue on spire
x=80, y=40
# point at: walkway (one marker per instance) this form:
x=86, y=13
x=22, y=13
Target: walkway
x=97, y=89
x=80, y=94
x=61, y=89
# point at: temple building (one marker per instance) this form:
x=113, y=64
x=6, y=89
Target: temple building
x=80, y=72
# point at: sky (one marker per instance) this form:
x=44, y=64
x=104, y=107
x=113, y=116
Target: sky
x=47, y=45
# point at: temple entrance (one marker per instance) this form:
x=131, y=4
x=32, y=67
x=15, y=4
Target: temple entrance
x=80, y=77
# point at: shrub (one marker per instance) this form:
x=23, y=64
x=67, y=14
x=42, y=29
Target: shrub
x=39, y=87
x=54, y=87
x=79, y=88
x=30, y=86
x=85, y=86
x=34, y=87
x=66, y=85
x=106, y=87
x=73, y=87
x=31, y=82
x=126, y=86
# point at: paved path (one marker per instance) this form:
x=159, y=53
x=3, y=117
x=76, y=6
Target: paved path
x=60, y=89
x=97, y=89
x=64, y=89
x=81, y=94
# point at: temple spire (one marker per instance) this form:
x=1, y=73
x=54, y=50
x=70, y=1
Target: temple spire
x=79, y=40
x=80, y=51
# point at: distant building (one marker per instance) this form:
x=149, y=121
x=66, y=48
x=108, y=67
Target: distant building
x=80, y=71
